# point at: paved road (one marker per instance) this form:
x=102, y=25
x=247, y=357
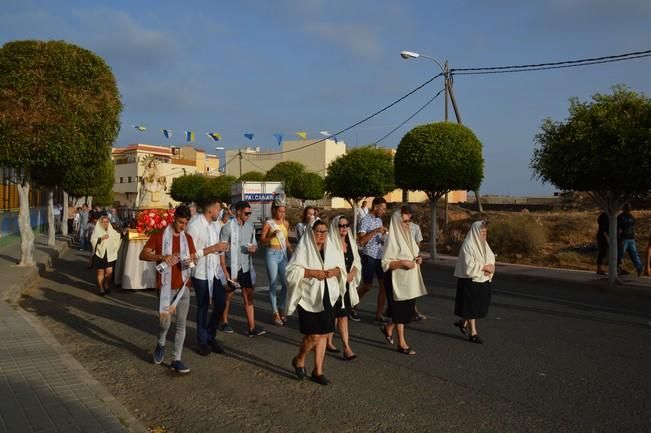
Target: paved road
x=553, y=361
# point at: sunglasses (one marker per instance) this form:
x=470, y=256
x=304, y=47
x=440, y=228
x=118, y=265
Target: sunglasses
x=248, y=213
x=321, y=232
x=344, y=226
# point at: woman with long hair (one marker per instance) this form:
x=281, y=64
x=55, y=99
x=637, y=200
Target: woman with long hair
x=275, y=235
x=105, y=242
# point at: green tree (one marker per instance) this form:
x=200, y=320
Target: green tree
x=220, y=188
x=186, y=188
x=438, y=158
x=603, y=148
x=362, y=172
x=311, y=187
x=289, y=172
x=59, y=110
x=252, y=176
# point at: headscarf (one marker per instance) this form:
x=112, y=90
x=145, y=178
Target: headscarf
x=400, y=245
x=108, y=246
x=334, y=239
x=474, y=255
x=308, y=292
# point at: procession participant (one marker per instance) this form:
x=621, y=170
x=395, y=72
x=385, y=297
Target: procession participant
x=474, y=271
x=83, y=227
x=340, y=237
x=275, y=236
x=208, y=277
x=237, y=263
x=174, y=252
x=403, y=280
x=315, y=274
x=371, y=238
x=417, y=234
x=105, y=242
x=309, y=216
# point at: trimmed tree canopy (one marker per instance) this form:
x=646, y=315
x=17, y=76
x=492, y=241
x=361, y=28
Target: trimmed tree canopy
x=289, y=172
x=220, y=187
x=186, y=188
x=310, y=187
x=252, y=176
x=439, y=157
x=362, y=172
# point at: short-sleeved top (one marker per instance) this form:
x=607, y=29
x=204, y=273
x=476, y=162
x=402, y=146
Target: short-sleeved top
x=375, y=246
x=415, y=232
x=155, y=242
x=604, y=222
x=246, y=237
x=626, y=226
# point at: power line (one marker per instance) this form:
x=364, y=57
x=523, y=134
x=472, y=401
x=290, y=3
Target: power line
x=361, y=121
x=564, y=63
x=410, y=117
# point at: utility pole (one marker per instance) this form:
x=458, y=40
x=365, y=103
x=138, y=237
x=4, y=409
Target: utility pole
x=446, y=73
x=240, y=155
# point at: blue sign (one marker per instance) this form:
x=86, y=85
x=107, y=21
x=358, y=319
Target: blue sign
x=259, y=196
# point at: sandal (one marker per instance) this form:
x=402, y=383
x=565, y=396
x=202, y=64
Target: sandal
x=387, y=337
x=460, y=324
x=277, y=320
x=301, y=374
x=475, y=339
x=332, y=349
x=406, y=350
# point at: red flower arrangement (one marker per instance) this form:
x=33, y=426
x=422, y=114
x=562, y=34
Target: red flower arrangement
x=149, y=221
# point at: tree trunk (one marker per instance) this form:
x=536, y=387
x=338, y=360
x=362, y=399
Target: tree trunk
x=64, y=215
x=25, y=226
x=353, y=203
x=51, y=225
x=432, y=205
x=445, y=220
x=480, y=208
x=612, y=245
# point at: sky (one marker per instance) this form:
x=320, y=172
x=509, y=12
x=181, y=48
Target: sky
x=271, y=66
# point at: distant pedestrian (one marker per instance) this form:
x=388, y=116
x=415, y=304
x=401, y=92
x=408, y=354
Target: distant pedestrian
x=626, y=240
x=309, y=217
x=57, y=210
x=106, y=244
x=403, y=281
x=83, y=227
x=474, y=271
x=603, y=223
x=71, y=220
x=174, y=252
x=362, y=212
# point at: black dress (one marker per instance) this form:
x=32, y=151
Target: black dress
x=102, y=262
x=349, y=258
x=318, y=323
x=399, y=311
x=472, y=299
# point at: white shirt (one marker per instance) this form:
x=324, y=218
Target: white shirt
x=198, y=228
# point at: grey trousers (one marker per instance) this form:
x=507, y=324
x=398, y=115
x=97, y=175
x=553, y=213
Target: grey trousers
x=181, y=319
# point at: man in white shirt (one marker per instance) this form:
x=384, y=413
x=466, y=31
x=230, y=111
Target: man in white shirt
x=207, y=277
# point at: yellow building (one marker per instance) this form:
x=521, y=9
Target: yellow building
x=144, y=172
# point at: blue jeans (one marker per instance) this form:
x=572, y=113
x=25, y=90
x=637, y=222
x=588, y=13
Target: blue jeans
x=276, y=264
x=628, y=245
x=207, y=327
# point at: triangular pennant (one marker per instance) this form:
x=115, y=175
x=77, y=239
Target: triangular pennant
x=279, y=138
x=249, y=135
x=167, y=133
x=189, y=136
x=140, y=128
x=214, y=136
x=302, y=134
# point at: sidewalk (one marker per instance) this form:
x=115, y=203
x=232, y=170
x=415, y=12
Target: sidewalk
x=42, y=387
x=631, y=285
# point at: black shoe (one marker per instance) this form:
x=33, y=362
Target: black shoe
x=354, y=316
x=255, y=332
x=383, y=320
x=320, y=379
x=300, y=371
x=216, y=347
x=204, y=350
x=475, y=339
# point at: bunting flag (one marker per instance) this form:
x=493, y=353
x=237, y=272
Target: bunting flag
x=140, y=128
x=189, y=136
x=167, y=133
x=302, y=134
x=249, y=135
x=214, y=136
x=327, y=134
x=279, y=138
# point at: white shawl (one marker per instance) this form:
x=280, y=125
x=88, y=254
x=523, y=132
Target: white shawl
x=108, y=246
x=308, y=292
x=400, y=245
x=168, y=305
x=335, y=239
x=473, y=256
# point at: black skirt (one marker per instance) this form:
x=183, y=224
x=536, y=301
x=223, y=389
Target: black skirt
x=318, y=323
x=102, y=263
x=472, y=299
x=343, y=312
x=399, y=311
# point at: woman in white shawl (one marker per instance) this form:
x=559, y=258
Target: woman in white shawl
x=315, y=274
x=403, y=281
x=341, y=239
x=475, y=269
x=106, y=243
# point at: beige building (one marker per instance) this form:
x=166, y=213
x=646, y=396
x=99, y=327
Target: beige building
x=144, y=172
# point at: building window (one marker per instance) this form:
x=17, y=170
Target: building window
x=121, y=179
x=130, y=179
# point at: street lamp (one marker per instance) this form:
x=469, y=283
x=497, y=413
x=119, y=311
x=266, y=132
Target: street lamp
x=412, y=55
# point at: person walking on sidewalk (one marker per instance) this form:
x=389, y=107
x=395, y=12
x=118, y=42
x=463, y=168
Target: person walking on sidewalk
x=208, y=278
x=371, y=238
x=83, y=228
x=314, y=277
x=275, y=236
x=174, y=252
x=474, y=271
x=106, y=244
x=237, y=264
x=626, y=238
x=602, y=241
x=403, y=280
